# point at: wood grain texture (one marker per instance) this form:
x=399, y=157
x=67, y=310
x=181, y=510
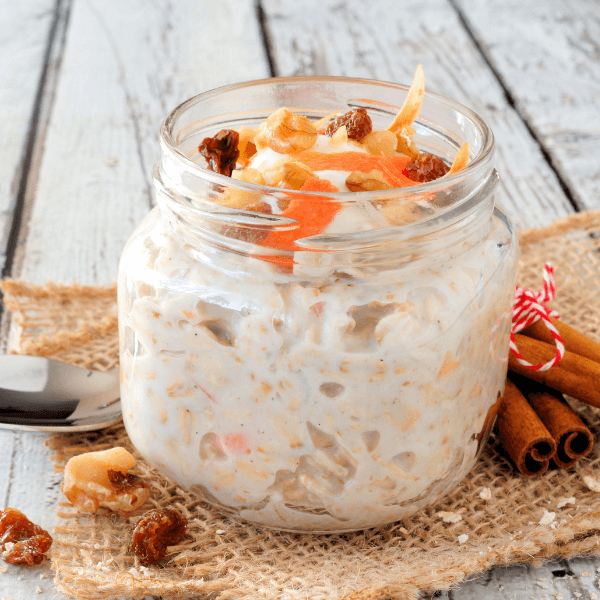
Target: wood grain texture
x=547, y=55
x=28, y=482
x=24, y=30
x=387, y=41
x=125, y=66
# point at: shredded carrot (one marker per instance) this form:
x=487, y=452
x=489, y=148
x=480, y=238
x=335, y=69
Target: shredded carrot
x=313, y=213
x=392, y=167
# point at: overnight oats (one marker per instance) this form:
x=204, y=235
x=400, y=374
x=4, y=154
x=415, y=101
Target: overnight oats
x=314, y=320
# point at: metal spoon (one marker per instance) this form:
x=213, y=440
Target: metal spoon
x=41, y=394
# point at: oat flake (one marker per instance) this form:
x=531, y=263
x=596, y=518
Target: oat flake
x=485, y=494
x=450, y=517
x=547, y=518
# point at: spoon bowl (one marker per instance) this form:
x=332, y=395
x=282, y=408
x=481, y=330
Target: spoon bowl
x=41, y=394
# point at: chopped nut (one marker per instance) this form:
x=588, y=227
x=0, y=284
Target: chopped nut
x=547, y=518
x=97, y=479
x=292, y=175
x=246, y=146
x=382, y=142
x=564, y=501
x=339, y=138
x=367, y=182
x=286, y=133
x=592, y=483
x=400, y=212
x=249, y=176
x=449, y=517
x=485, y=494
x=462, y=538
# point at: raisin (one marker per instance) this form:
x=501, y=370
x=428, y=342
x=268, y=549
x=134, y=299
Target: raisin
x=358, y=124
x=155, y=530
x=426, y=167
x=21, y=541
x=247, y=234
x=221, y=151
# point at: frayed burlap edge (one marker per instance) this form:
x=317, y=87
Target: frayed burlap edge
x=224, y=558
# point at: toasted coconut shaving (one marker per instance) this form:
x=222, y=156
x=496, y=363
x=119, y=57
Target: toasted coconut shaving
x=460, y=160
x=324, y=120
x=412, y=104
x=339, y=138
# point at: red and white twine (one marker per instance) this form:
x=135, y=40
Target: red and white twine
x=529, y=307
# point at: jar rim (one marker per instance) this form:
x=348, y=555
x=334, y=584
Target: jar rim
x=484, y=155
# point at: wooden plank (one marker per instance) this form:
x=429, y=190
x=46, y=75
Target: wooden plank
x=547, y=55
x=125, y=66
x=24, y=31
x=386, y=41
x=29, y=484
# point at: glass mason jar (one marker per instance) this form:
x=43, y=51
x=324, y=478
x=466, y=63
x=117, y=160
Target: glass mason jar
x=344, y=383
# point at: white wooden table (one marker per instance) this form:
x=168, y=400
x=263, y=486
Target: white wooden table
x=85, y=84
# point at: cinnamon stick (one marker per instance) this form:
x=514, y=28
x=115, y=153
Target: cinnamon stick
x=522, y=433
x=573, y=439
x=574, y=340
x=574, y=375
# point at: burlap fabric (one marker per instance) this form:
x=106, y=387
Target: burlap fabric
x=222, y=558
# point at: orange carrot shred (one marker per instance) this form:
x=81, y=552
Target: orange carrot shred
x=392, y=167
x=313, y=213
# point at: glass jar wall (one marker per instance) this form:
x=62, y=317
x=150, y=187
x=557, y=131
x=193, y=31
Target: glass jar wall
x=346, y=382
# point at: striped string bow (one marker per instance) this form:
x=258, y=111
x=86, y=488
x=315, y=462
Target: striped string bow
x=529, y=307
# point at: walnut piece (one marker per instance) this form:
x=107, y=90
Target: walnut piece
x=249, y=176
x=96, y=479
x=367, y=182
x=292, y=175
x=286, y=133
x=381, y=143
x=246, y=145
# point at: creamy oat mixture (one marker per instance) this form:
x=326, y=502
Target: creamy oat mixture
x=319, y=397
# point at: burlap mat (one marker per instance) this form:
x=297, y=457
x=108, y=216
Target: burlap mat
x=220, y=558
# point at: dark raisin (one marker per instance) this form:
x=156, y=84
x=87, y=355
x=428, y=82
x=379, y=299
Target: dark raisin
x=155, y=530
x=21, y=541
x=357, y=122
x=426, y=167
x=249, y=234
x=221, y=151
